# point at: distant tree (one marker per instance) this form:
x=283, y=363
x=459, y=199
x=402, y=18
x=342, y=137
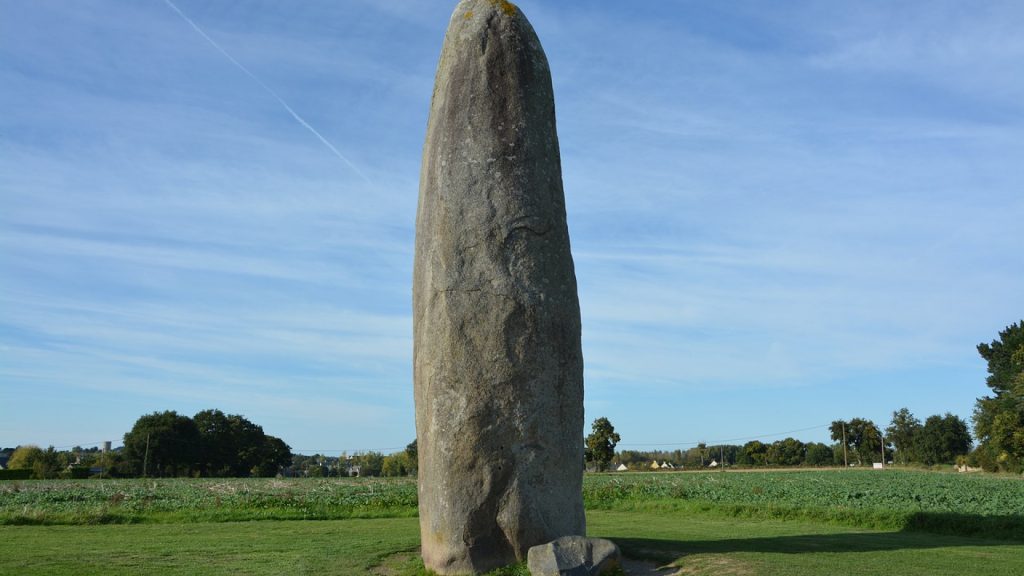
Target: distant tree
x=942, y=439
x=631, y=458
x=370, y=463
x=273, y=457
x=818, y=454
x=397, y=464
x=24, y=457
x=232, y=446
x=863, y=438
x=702, y=449
x=999, y=418
x=754, y=453
x=600, y=444
x=162, y=444
x=412, y=455
x=50, y=464
x=303, y=465
x=788, y=452
x=725, y=454
x=902, y=432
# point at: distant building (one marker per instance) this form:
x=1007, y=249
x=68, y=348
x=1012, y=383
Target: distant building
x=666, y=465
x=621, y=468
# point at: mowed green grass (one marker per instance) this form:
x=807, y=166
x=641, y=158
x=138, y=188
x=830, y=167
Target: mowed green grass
x=711, y=545
x=698, y=544
x=268, y=547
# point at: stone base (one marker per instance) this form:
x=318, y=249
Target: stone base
x=574, y=556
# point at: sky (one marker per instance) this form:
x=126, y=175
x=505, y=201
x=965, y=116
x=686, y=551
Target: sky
x=780, y=214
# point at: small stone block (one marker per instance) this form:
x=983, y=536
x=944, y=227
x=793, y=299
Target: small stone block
x=574, y=556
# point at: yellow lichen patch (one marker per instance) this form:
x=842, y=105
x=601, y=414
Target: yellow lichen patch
x=467, y=15
x=506, y=6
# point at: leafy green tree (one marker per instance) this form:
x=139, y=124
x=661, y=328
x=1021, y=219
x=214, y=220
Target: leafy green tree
x=863, y=438
x=726, y=453
x=902, y=432
x=162, y=444
x=24, y=457
x=999, y=418
x=412, y=456
x=49, y=464
x=818, y=454
x=942, y=439
x=600, y=444
x=397, y=464
x=230, y=445
x=754, y=453
x=788, y=452
x=274, y=456
x=44, y=464
x=370, y=463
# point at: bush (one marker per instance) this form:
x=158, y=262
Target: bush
x=20, y=474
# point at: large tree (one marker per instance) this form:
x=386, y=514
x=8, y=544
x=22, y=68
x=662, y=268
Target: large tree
x=231, y=445
x=903, y=434
x=274, y=457
x=601, y=443
x=942, y=439
x=999, y=418
x=788, y=452
x=163, y=444
x=753, y=453
x=24, y=457
x=863, y=438
x=818, y=454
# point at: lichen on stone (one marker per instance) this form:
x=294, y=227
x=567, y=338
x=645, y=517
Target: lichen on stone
x=506, y=6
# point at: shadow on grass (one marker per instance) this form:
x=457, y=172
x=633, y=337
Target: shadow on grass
x=667, y=550
x=1008, y=527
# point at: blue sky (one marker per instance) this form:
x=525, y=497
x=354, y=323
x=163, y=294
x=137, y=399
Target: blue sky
x=781, y=214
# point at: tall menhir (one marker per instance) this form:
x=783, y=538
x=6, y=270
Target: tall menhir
x=498, y=367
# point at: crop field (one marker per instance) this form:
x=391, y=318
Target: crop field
x=855, y=489
x=203, y=500
x=866, y=498
x=790, y=522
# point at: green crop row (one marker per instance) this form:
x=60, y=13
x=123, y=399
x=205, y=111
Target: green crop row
x=893, y=490
x=966, y=505
x=185, y=500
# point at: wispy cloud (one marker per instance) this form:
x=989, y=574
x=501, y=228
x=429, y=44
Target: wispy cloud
x=295, y=115
x=768, y=209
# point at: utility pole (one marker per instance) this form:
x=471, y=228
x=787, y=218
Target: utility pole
x=846, y=463
x=881, y=439
x=145, y=458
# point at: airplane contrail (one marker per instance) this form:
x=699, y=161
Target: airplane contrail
x=269, y=90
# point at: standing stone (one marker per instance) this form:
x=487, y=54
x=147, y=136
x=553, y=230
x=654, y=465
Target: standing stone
x=498, y=367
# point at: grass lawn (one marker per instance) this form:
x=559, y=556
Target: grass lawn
x=700, y=544
x=266, y=547
x=715, y=546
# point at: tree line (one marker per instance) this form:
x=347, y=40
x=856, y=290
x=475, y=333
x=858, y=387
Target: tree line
x=212, y=443
x=940, y=439
x=167, y=444
x=369, y=463
x=856, y=442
